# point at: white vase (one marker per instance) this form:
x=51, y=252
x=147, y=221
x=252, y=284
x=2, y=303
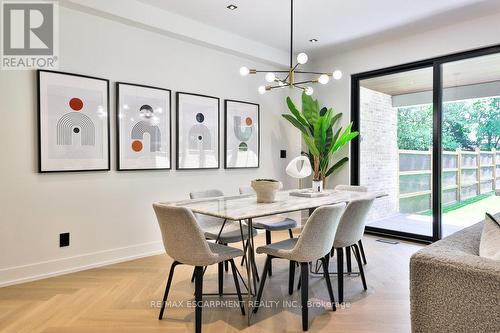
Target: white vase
x=317, y=185
x=266, y=189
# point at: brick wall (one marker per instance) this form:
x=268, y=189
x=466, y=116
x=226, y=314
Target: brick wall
x=379, y=150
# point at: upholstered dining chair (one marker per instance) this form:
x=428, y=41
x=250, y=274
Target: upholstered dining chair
x=270, y=224
x=185, y=243
x=350, y=231
x=353, y=188
x=313, y=244
x=220, y=230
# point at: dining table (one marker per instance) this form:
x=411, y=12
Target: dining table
x=245, y=208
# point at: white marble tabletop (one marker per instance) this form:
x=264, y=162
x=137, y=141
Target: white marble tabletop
x=243, y=207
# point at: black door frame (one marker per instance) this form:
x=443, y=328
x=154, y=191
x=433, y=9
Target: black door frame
x=436, y=64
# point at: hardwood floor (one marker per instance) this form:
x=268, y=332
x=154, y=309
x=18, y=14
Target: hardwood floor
x=123, y=298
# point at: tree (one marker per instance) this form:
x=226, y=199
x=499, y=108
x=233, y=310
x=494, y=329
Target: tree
x=466, y=125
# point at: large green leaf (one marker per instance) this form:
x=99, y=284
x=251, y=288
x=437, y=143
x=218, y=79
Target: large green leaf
x=336, y=166
x=296, y=113
x=296, y=123
x=346, y=136
x=310, y=144
x=310, y=109
x=335, y=118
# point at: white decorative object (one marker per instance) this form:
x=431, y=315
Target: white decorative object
x=266, y=189
x=317, y=185
x=293, y=170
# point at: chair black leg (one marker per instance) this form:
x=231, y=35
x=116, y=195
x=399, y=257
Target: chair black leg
x=360, y=265
x=268, y=241
x=304, y=275
x=167, y=288
x=360, y=243
x=255, y=270
x=262, y=282
x=340, y=273
x=291, y=277
x=226, y=263
x=221, y=278
x=244, y=251
x=348, y=259
x=237, y=285
x=198, y=282
x=328, y=282
x=290, y=233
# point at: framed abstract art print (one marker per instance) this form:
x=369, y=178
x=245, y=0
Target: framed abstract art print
x=197, y=131
x=143, y=125
x=242, y=135
x=73, y=122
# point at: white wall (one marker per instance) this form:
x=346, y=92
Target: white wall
x=461, y=36
x=109, y=214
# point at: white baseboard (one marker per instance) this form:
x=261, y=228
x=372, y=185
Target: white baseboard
x=45, y=269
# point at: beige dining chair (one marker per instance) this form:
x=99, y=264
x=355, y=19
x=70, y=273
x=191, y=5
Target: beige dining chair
x=313, y=244
x=353, y=188
x=223, y=231
x=185, y=243
x=269, y=224
x=349, y=232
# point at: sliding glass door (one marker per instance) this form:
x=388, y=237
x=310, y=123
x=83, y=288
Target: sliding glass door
x=395, y=150
x=470, y=140
x=429, y=138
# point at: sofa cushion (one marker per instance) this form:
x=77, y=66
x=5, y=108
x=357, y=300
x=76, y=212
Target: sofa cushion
x=489, y=247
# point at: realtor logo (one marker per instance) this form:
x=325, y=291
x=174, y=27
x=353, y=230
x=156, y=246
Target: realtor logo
x=29, y=35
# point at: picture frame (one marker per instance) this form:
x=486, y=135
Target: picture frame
x=143, y=127
x=73, y=122
x=241, y=135
x=197, y=131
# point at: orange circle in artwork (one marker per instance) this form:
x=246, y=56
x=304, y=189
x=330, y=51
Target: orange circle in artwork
x=249, y=121
x=76, y=104
x=136, y=146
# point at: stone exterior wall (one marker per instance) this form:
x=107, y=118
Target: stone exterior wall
x=379, y=150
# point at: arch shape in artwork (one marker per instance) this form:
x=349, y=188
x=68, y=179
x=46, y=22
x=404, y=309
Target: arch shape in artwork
x=243, y=133
x=154, y=132
x=74, y=123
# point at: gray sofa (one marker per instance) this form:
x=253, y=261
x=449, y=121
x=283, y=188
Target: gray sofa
x=452, y=289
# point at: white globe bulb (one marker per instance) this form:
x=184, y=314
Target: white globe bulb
x=309, y=91
x=323, y=79
x=337, y=75
x=270, y=77
x=244, y=71
x=262, y=90
x=302, y=58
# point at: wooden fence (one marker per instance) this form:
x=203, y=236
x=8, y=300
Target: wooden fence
x=465, y=174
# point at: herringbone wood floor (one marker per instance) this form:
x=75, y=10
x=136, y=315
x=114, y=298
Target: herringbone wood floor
x=121, y=298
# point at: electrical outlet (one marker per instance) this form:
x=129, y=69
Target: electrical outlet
x=64, y=239
x=282, y=153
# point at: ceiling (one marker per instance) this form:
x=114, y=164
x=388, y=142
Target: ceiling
x=332, y=22
x=455, y=74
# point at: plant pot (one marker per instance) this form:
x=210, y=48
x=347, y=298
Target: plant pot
x=266, y=189
x=317, y=185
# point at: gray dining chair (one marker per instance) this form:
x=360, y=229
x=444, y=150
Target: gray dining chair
x=353, y=188
x=270, y=224
x=185, y=243
x=220, y=230
x=350, y=231
x=313, y=244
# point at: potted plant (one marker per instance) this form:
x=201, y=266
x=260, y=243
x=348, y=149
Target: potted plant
x=317, y=127
x=266, y=189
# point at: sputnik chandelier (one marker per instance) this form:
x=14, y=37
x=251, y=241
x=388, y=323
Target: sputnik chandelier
x=277, y=78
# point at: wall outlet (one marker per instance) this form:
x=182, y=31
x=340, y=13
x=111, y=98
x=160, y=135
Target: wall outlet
x=282, y=153
x=64, y=239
